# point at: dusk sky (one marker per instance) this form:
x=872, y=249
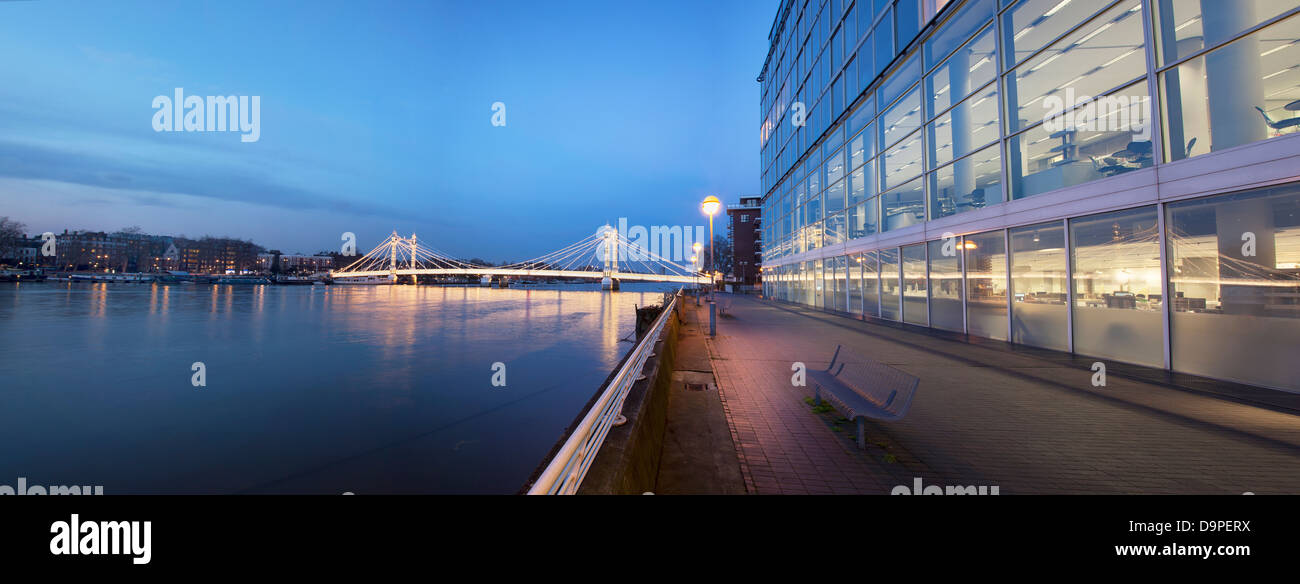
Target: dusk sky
x=377, y=116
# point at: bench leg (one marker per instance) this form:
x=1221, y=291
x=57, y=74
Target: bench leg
x=817, y=395
x=862, y=433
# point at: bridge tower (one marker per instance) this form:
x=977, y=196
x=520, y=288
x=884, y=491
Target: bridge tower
x=392, y=257
x=415, y=278
x=611, y=258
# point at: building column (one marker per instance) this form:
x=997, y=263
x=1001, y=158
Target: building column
x=1232, y=75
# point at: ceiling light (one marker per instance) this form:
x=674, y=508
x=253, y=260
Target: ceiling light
x=1056, y=8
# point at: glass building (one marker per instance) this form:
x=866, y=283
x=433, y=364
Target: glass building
x=1117, y=179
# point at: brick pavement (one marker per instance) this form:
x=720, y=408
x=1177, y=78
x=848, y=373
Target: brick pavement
x=982, y=416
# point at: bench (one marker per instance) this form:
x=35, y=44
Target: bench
x=862, y=388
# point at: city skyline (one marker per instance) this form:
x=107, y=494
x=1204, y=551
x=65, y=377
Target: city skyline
x=351, y=141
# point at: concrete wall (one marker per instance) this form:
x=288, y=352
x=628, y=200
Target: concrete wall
x=628, y=461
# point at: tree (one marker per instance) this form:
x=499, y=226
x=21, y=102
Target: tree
x=13, y=236
x=722, y=260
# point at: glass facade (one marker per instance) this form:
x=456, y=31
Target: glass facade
x=1117, y=286
x=1003, y=101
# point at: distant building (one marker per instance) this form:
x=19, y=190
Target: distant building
x=295, y=263
x=745, y=231
x=217, y=255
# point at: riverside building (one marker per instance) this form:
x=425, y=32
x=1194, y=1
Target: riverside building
x=1117, y=179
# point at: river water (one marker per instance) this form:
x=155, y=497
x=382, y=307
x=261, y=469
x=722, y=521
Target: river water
x=311, y=389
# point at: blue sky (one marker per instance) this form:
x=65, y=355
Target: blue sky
x=377, y=116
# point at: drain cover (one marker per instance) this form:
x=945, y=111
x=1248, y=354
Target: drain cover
x=695, y=387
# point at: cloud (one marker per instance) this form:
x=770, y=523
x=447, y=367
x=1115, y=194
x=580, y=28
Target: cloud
x=42, y=162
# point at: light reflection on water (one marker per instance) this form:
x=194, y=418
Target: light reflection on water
x=369, y=389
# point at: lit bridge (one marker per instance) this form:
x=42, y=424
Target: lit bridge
x=606, y=256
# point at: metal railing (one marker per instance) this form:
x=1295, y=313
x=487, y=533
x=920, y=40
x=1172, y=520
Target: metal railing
x=564, y=474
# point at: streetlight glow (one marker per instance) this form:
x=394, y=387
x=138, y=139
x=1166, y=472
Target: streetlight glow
x=710, y=207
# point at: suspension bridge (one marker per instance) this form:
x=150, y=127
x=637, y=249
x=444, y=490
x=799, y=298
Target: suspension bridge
x=605, y=255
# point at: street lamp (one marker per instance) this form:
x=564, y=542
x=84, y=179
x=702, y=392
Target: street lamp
x=710, y=207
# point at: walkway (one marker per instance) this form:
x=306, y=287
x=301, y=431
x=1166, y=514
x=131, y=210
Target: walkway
x=982, y=416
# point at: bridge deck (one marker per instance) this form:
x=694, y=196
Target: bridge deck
x=623, y=276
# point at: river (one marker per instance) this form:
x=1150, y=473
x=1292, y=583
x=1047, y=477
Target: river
x=308, y=389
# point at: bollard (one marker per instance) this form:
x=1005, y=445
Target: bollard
x=713, y=319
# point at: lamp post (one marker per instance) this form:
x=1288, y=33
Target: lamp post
x=710, y=207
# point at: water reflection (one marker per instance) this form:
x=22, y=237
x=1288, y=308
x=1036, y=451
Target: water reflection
x=309, y=389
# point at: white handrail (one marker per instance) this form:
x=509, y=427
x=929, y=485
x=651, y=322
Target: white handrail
x=564, y=474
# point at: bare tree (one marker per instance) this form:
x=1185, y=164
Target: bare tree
x=12, y=237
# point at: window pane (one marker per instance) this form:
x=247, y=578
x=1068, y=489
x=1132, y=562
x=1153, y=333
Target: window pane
x=818, y=284
x=1028, y=26
x=914, y=285
x=861, y=116
x=833, y=200
x=862, y=219
x=813, y=210
x=1105, y=137
x=834, y=229
x=1244, y=92
x=862, y=147
x=957, y=30
x=1117, y=287
x=1183, y=28
x=907, y=20
x=834, y=166
x=971, y=125
x=901, y=119
x=968, y=184
x=900, y=80
x=855, y=284
x=870, y=285
x=883, y=37
x=840, y=289
x=968, y=69
x=868, y=66
x=903, y=206
x=945, y=285
x=889, y=299
x=986, y=285
x=1098, y=57
x=902, y=163
x=1038, y=282
x=1236, y=315
x=860, y=185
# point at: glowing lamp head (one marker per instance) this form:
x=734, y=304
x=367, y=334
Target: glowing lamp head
x=697, y=247
x=710, y=205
